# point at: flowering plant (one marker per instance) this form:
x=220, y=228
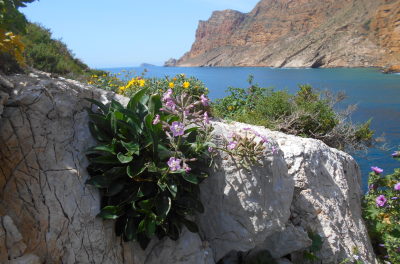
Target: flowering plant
x=151, y=163
x=382, y=213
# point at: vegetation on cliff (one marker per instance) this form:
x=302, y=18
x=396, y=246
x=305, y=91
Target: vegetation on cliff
x=308, y=113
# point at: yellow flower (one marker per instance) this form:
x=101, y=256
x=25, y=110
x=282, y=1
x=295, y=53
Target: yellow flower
x=95, y=76
x=160, y=90
x=206, y=88
x=111, y=85
x=121, y=88
x=123, y=70
x=171, y=84
x=104, y=75
x=98, y=80
x=182, y=74
x=386, y=219
x=108, y=71
x=230, y=108
x=159, y=82
x=119, y=73
x=174, y=79
x=109, y=81
x=142, y=83
x=197, y=87
x=116, y=85
x=90, y=82
x=186, y=85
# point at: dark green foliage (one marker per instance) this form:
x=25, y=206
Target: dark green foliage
x=11, y=19
x=142, y=193
x=307, y=113
x=51, y=55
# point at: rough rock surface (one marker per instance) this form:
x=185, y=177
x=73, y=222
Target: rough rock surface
x=282, y=243
x=301, y=33
x=326, y=199
x=243, y=208
x=46, y=209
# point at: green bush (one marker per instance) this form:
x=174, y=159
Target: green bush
x=381, y=212
x=50, y=55
x=307, y=113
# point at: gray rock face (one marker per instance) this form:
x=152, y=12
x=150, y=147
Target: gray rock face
x=243, y=208
x=47, y=210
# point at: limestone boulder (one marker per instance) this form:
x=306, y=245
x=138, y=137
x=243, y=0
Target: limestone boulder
x=47, y=213
x=243, y=208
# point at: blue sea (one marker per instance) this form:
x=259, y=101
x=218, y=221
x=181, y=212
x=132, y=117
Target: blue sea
x=377, y=96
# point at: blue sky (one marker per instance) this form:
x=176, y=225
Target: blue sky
x=127, y=32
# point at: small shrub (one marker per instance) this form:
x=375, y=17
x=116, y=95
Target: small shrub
x=307, y=113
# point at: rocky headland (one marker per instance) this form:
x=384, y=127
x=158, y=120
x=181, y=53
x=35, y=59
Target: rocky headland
x=301, y=33
x=47, y=213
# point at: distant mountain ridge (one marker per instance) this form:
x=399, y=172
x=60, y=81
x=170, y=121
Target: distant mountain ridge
x=299, y=33
x=147, y=65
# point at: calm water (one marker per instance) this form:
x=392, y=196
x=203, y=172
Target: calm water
x=377, y=96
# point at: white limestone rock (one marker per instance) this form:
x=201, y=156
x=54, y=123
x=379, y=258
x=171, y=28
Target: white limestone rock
x=243, y=208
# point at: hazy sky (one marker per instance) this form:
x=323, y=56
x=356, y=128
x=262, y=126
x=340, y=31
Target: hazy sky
x=127, y=32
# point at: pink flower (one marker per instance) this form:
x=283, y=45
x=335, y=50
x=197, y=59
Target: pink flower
x=232, y=145
x=273, y=150
x=206, y=118
x=394, y=198
x=396, y=153
x=156, y=120
x=256, y=133
x=171, y=104
x=246, y=128
x=381, y=200
x=191, y=106
x=174, y=164
x=210, y=149
x=377, y=170
x=187, y=169
x=167, y=95
x=264, y=138
x=204, y=100
x=177, y=129
x=397, y=186
x=187, y=112
x=231, y=134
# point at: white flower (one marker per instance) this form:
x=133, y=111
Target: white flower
x=356, y=257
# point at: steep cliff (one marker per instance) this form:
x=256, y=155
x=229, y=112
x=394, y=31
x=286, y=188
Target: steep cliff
x=301, y=33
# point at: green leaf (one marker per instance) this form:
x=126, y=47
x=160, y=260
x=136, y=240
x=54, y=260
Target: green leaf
x=107, y=159
x=145, y=188
x=154, y=104
x=317, y=242
x=110, y=212
x=147, y=204
x=98, y=133
x=132, y=147
x=165, y=154
x=149, y=226
x=135, y=170
x=187, y=202
x=190, y=129
x=100, y=181
x=116, y=186
x=113, y=122
x=154, y=139
x=140, y=227
x=190, y=178
x=135, y=99
x=192, y=136
x=102, y=106
x=116, y=171
x=172, y=187
x=101, y=120
x=124, y=159
x=395, y=233
x=116, y=105
x=163, y=204
x=103, y=148
x=130, y=229
x=191, y=226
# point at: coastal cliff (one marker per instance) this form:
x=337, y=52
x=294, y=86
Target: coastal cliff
x=304, y=33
